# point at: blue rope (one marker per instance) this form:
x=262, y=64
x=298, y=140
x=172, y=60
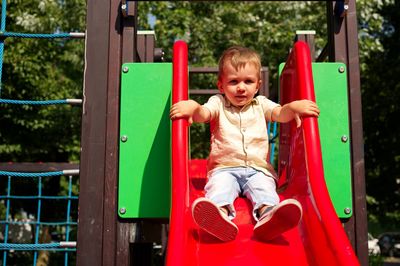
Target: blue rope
x=1, y=63
x=35, y=35
x=3, y=15
x=5, y=246
x=7, y=214
x=67, y=229
x=42, y=197
x=20, y=174
x=34, y=223
x=27, y=247
x=47, y=102
x=2, y=28
x=38, y=218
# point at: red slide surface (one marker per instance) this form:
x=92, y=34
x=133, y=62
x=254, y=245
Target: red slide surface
x=319, y=239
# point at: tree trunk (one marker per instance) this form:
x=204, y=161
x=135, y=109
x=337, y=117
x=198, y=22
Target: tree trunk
x=44, y=255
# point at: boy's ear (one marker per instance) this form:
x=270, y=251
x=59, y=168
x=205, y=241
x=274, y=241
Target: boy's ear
x=259, y=85
x=219, y=85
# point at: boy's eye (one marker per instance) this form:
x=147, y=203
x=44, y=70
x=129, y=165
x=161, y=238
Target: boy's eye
x=249, y=81
x=232, y=82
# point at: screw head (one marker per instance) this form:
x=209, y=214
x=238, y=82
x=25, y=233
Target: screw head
x=341, y=69
x=124, y=138
x=125, y=69
x=347, y=210
x=122, y=210
x=344, y=138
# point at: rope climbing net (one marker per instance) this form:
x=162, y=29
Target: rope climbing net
x=17, y=227
x=38, y=210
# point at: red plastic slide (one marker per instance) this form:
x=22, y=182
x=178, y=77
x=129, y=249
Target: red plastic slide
x=319, y=239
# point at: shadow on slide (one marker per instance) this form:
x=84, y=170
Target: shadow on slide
x=319, y=239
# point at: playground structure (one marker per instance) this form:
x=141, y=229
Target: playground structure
x=105, y=236
x=111, y=235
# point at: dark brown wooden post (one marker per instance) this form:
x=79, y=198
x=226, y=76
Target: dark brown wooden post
x=124, y=230
x=92, y=174
x=145, y=46
x=264, y=89
x=110, y=41
x=343, y=47
x=307, y=36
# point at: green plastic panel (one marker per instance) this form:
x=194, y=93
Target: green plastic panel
x=330, y=84
x=144, y=188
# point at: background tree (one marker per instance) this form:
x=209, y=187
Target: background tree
x=380, y=46
x=42, y=69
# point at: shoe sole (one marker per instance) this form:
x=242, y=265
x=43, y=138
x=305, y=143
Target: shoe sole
x=284, y=218
x=209, y=218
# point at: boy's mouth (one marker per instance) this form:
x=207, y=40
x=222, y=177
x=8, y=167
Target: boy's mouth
x=240, y=97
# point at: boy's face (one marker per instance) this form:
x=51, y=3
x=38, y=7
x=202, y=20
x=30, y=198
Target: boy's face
x=239, y=86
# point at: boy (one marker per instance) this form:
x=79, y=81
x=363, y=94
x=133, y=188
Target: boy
x=239, y=146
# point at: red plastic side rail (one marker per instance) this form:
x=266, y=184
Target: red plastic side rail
x=298, y=66
x=180, y=182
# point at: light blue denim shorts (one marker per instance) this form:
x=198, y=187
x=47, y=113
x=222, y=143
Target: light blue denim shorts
x=226, y=184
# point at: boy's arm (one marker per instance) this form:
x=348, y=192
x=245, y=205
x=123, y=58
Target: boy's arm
x=294, y=110
x=191, y=110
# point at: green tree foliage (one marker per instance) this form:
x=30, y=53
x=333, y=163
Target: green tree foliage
x=380, y=45
x=42, y=69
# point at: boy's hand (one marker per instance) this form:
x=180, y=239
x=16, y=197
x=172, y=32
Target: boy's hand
x=183, y=109
x=303, y=108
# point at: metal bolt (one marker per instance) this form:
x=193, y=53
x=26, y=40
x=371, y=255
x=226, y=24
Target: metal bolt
x=341, y=69
x=122, y=210
x=344, y=138
x=124, y=138
x=125, y=69
x=347, y=210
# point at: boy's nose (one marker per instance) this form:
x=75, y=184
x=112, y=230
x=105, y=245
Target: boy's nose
x=240, y=87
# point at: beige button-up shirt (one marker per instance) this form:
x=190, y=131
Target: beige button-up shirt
x=239, y=135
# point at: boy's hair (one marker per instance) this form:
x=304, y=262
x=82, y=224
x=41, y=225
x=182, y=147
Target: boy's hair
x=239, y=56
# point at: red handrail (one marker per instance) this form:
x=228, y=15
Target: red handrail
x=297, y=83
x=180, y=196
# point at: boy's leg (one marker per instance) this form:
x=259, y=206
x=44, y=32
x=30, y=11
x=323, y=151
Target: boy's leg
x=213, y=220
x=260, y=189
x=221, y=191
x=278, y=219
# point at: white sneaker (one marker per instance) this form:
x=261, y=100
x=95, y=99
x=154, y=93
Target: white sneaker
x=282, y=217
x=211, y=219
